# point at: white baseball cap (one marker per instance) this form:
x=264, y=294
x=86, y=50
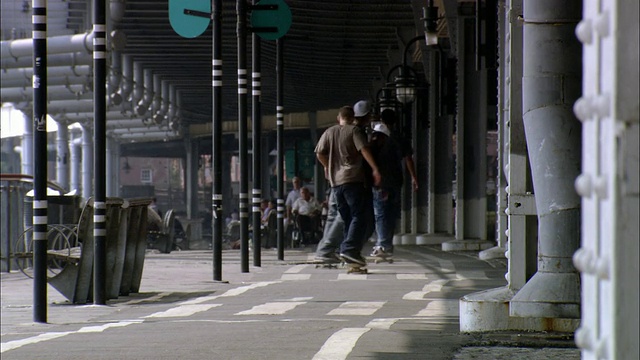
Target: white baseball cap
x=381, y=128
x=361, y=108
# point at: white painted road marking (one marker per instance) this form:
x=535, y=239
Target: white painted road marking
x=411, y=276
x=352, y=277
x=444, y=307
x=183, y=310
x=357, y=308
x=340, y=344
x=289, y=277
x=295, y=269
x=272, y=308
x=231, y=292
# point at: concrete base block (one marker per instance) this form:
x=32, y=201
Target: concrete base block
x=489, y=311
x=432, y=239
x=495, y=252
x=547, y=294
x=467, y=245
x=409, y=239
x=397, y=239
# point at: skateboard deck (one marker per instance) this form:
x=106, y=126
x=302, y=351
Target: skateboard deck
x=356, y=268
x=379, y=259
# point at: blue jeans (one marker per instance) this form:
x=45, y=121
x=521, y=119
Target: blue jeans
x=333, y=229
x=386, y=207
x=351, y=199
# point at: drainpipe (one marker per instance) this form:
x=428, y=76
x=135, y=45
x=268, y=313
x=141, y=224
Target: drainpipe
x=75, y=144
x=87, y=162
x=27, y=144
x=551, y=84
x=62, y=154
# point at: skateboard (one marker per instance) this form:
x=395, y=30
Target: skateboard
x=328, y=265
x=383, y=258
x=356, y=268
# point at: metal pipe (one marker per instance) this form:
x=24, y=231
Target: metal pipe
x=38, y=46
x=87, y=162
x=70, y=59
x=27, y=143
x=62, y=154
x=55, y=93
x=280, y=142
x=157, y=99
x=126, y=86
x=256, y=131
x=241, y=9
x=51, y=81
x=55, y=45
x=143, y=105
x=114, y=79
x=138, y=82
x=76, y=152
x=27, y=73
x=216, y=151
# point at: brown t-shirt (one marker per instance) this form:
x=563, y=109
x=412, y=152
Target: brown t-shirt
x=342, y=145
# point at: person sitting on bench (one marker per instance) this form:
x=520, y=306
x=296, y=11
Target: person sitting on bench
x=306, y=211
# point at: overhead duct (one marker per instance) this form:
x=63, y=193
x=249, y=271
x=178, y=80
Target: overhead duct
x=117, y=9
x=138, y=82
x=51, y=81
x=55, y=45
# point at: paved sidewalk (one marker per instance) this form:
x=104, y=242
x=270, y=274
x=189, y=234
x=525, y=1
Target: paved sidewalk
x=190, y=272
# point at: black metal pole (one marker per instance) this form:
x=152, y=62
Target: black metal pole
x=39, y=22
x=241, y=31
x=280, y=134
x=216, y=162
x=256, y=128
x=99, y=153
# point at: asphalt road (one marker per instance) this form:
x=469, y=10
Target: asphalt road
x=282, y=310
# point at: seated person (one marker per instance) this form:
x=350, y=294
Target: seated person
x=306, y=211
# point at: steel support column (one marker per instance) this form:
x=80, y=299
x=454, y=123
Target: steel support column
x=241, y=32
x=280, y=141
x=216, y=162
x=256, y=132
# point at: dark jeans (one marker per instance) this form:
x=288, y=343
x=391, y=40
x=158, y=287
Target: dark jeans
x=386, y=206
x=352, y=206
x=333, y=233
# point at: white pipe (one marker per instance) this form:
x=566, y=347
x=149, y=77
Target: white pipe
x=75, y=145
x=27, y=145
x=114, y=77
x=126, y=87
x=87, y=162
x=138, y=82
x=57, y=71
x=71, y=59
x=143, y=105
x=51, y=81
x=54, y=93
x=55, y=45
x=62, y=155
x=157, y=99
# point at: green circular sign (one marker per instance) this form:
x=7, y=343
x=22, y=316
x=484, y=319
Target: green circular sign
x=271, y=24
x=189, y=18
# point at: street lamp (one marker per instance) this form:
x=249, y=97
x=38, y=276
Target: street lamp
x=386, y=98
x=405, y=85
x=430, y=18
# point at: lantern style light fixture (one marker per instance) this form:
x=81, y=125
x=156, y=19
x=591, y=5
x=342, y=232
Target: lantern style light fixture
x=386, y=98
x=405, y=86
x=430, y=18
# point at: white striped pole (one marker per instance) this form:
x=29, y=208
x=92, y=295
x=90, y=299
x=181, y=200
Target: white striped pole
x=216, y=161
x=241, y=10
x=280, y=141
x=256, y=128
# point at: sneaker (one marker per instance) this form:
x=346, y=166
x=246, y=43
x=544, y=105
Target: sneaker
x=327, y=259
x=376, y=251
x=356, y=259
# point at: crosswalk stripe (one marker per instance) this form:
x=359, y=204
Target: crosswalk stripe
x=444, y=307
x=272, y=308
x=352, y=277
x=411, y=276
x=357, y=308
x=295, y=277
x=183, y=310
x=340, y=344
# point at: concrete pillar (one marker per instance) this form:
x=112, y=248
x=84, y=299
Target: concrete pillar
x=27, y=144
x=87, y=162
x=62, y=155
x=551, y=84
x=471, y=140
